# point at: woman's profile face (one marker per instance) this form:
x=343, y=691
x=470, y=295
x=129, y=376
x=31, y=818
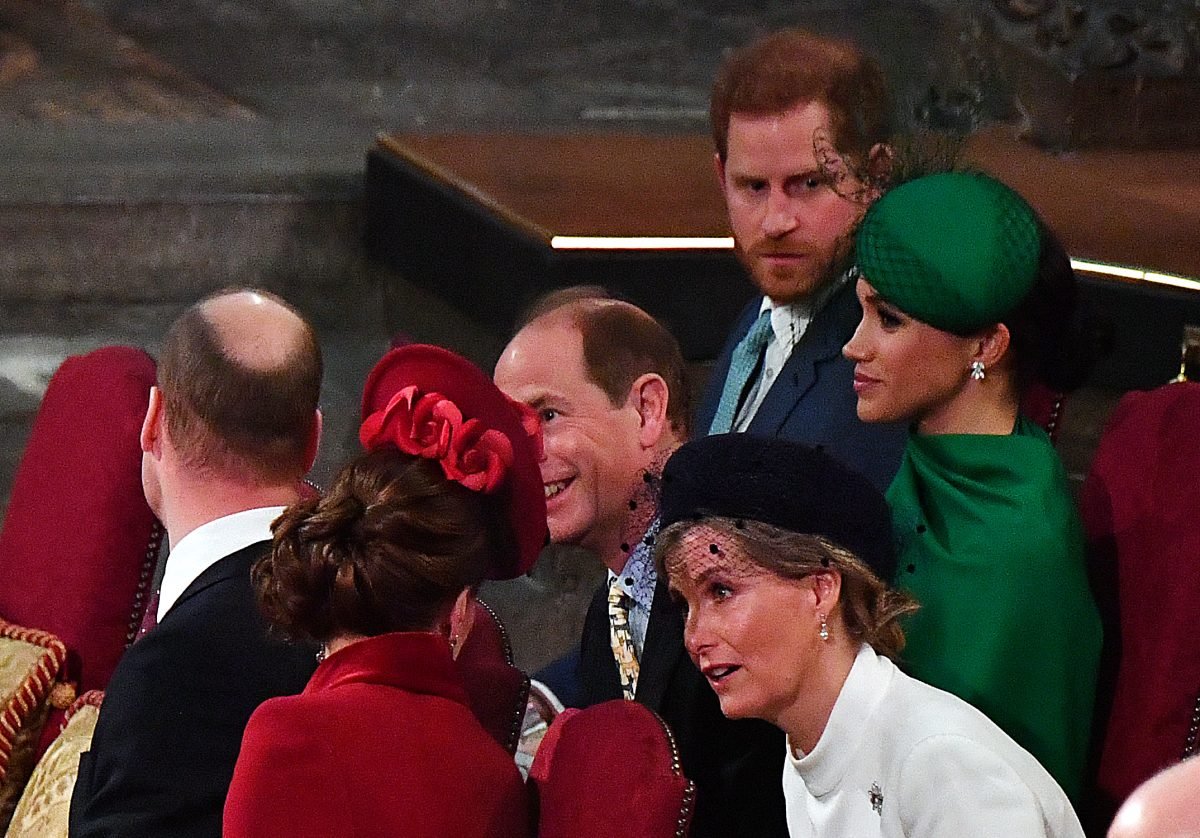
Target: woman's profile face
x=905, y=370
x=752, y=633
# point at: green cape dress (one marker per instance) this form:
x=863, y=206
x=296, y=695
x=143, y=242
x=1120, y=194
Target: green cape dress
x=991, y=547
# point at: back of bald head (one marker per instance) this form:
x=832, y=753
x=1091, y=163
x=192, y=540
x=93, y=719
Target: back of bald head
x=621, y=343
x=240, y=375
x=1165, y=806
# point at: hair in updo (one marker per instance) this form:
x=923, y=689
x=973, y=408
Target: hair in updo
x=1056, y=337
x=388, y=549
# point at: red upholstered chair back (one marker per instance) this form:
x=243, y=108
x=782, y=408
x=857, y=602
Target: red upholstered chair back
x=1141, y=509
x=488, y=640
x=1045, y=407
x=497, y=689
x=588, y=754
x=79, y=543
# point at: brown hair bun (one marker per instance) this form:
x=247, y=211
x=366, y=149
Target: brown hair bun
x=388, y=549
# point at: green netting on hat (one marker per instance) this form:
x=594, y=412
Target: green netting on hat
x=956, y=250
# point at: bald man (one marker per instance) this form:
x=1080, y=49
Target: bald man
x=1165, y=806
x=231, y=429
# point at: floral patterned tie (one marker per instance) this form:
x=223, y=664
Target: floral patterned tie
x=621, y=639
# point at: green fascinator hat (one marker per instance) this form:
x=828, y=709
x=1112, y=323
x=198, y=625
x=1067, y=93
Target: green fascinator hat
x=956, y=250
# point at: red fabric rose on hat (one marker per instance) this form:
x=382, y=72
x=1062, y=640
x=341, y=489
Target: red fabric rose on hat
x=432, y=426
x=506, y=467
x=478, y=458
x=422, y=426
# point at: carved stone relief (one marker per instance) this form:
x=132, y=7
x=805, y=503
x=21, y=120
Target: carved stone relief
x=1071, y=72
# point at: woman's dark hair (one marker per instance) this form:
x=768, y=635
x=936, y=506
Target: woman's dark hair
x=388, y=549
x=1055, y=338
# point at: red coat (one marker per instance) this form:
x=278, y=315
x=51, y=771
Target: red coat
x=1141, y=506
x=380, y=743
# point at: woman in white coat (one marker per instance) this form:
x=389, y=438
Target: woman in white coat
x=778, y=553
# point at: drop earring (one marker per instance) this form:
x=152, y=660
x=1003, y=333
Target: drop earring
x=823, y=631
x=978, y=371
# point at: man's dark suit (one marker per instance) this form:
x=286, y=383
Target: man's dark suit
x=737, y=765
x=812, y=399
x=173, y=715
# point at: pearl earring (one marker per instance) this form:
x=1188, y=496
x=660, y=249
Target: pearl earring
x=823, y=632
x=978, y=372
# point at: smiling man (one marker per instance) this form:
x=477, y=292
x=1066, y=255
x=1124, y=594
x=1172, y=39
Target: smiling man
x=800, y=124
x=608, y=383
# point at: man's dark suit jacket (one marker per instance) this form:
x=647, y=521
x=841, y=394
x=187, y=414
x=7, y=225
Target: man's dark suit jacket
x=812, y=399
x=173, y=715
x=737, y=765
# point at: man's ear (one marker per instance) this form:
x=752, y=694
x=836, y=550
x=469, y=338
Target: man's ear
x=719, y=168
x=151, y=434
x=993, y=344
x=650, y=397
x=314, y=441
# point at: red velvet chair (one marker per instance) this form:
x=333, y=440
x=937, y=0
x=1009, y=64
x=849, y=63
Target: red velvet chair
x=1045, y=407
x=497, y=689
x=587, y=754
x=79, y=543
x=1141, y=509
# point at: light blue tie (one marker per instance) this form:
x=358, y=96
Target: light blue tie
x=741, y=366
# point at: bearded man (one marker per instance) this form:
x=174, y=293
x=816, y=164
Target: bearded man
x=800, y=124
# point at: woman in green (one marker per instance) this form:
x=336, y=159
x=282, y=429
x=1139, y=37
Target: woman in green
x=967, y=299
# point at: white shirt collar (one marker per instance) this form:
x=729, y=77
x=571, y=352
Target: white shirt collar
x=789, y=321
x=639, y=576
x=204, y=546
x=788, y=324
